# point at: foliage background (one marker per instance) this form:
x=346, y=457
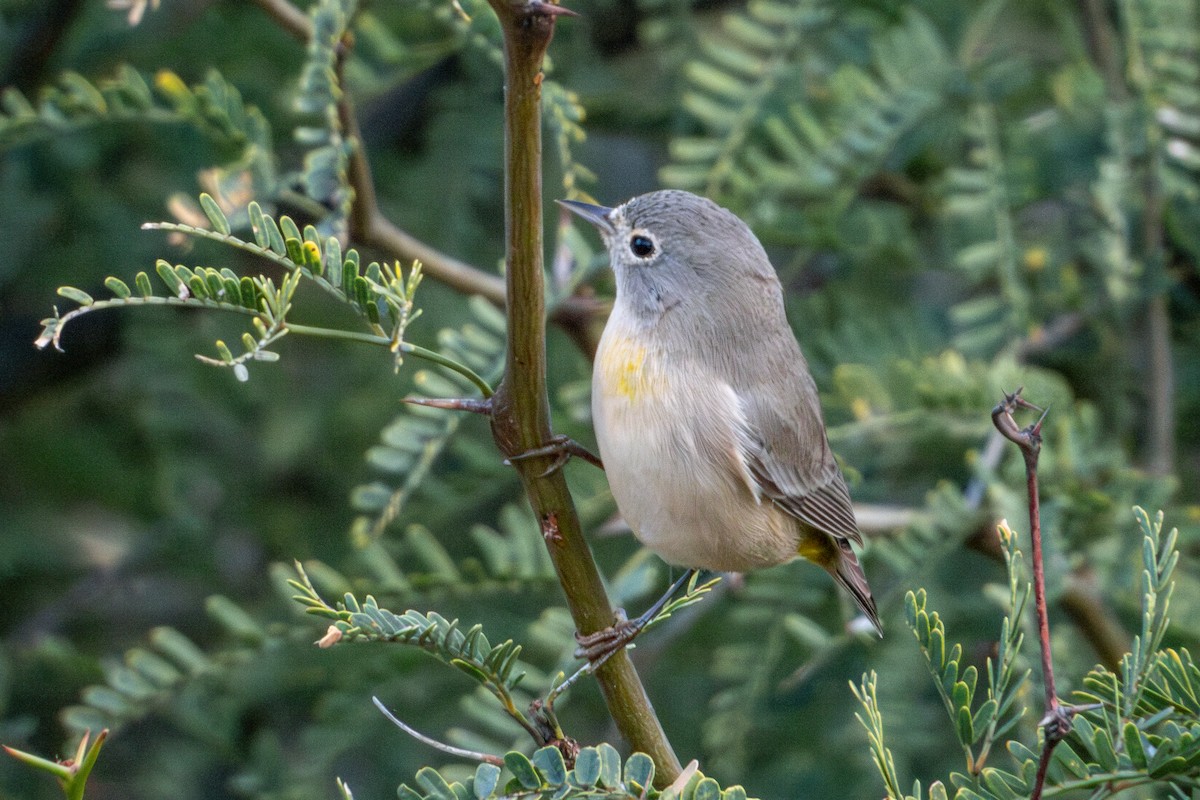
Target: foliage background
x=959, y=199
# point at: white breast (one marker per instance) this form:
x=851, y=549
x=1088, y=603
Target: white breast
x=669, y=444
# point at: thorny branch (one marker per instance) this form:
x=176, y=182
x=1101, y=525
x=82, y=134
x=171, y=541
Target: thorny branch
x=1056, y=723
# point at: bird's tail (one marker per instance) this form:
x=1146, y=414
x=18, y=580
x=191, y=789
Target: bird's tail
x=849, y=573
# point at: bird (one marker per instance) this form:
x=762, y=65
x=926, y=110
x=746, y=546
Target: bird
x=705, y=413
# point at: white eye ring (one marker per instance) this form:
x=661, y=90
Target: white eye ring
x=642, y=245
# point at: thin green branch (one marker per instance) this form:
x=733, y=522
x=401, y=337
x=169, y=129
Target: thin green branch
x=383, y=233
x=448, y=363
x=53, y=328
x=363, y=337
x=241, y=244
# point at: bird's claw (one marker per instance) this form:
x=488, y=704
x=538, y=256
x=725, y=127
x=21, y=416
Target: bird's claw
x=562, y=447
x=598, y=647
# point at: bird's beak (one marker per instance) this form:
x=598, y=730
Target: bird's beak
x=597, y=215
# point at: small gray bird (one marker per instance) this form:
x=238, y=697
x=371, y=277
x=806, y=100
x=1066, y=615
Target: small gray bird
x=705, y=412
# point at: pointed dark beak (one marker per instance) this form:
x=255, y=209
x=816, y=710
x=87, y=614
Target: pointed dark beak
x=597, y=215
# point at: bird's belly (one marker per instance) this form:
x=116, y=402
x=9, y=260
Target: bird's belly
x=672, y=462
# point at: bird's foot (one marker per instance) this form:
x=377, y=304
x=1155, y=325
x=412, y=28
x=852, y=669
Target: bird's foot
x=562, y=447
x=600, y=646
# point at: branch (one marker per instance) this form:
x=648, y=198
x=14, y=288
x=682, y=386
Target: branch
x=520, y=410
x=1057, y=722
x=1083, y=603
x=379, y=231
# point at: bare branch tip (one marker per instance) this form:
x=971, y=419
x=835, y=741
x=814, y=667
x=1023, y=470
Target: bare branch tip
x=1037, y=426
x=434, y=743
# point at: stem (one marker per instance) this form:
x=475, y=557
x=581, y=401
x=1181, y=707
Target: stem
x=448, y=363
x=404, y=347
x=1039, y=576
x=1082, y=602
x=381, y=232
x=1056, y=723
x=521, y=413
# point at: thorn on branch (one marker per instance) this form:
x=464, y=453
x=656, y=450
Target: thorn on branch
x=535, y=17
x=1029, y=438
x=1057, y=723
x=549, y=9
x=475, y=405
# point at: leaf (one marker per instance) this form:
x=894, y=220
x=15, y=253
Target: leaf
x=1066, y=757
x=170, y=277
x=118, y=287
x=522, y=769
x=980, y=257
x=1133, y=745
x=549, y=761
x=78, y=295
x=180, y=649
x=639, y=769
x=966, y=733
x=1102, y=746
x=610, y=766
x=487, y=778
x=1000, y=784
x=587, y=767
x=233, y=618
x=434, y=785
x=983, y=718
x=707, y=789
x=214, y=213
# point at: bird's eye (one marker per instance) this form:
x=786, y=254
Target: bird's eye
x=641, y=246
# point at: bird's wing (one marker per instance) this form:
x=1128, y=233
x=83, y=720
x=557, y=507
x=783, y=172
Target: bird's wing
x=783, y=445
x=790, y=459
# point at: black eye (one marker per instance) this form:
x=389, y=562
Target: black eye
x=641, y=246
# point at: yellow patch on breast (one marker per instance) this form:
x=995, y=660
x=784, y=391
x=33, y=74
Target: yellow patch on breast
x=624, y=370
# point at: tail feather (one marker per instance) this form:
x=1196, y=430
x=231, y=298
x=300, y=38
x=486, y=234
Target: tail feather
x=849, y=573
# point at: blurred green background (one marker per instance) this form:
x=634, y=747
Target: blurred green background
x=959, y=198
